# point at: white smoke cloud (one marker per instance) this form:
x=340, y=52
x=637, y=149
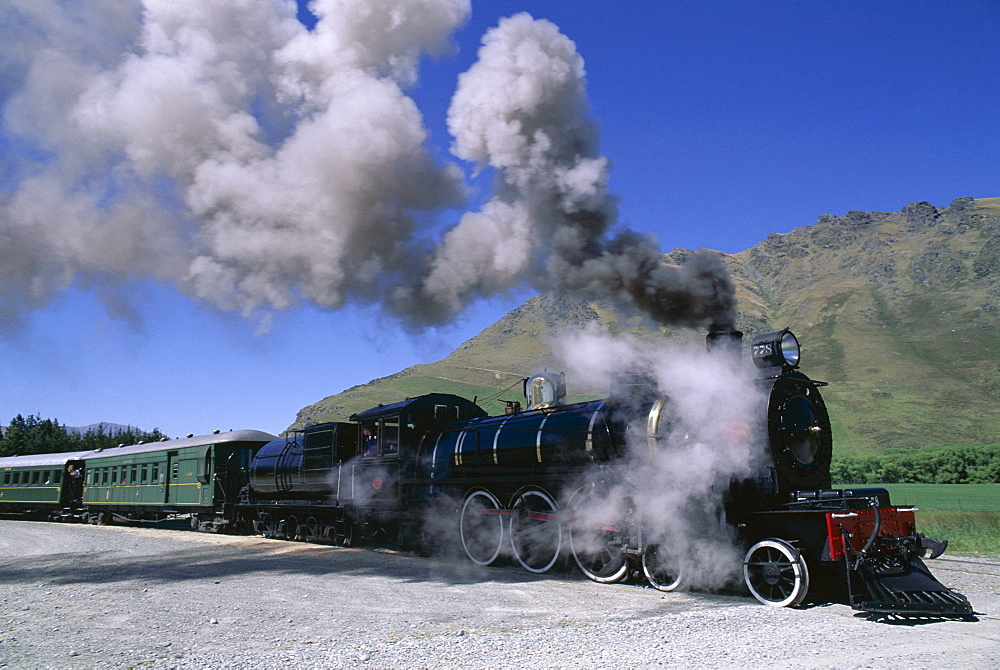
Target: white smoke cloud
x=226, y=149
x=712, y=436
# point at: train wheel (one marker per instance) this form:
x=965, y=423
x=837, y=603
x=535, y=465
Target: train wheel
x=265, y=525
x=482, y=527
x=776, y=573
x=597, y=546
x=347, y=538
x=659, y=569
x=310, y=530
x=291, y=526
x=535, y=532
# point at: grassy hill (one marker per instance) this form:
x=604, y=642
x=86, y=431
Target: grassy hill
x=900, y=311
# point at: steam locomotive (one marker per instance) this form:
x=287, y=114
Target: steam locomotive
x=551, y=481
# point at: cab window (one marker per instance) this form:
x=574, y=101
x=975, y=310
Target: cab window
x=369, y=438
x=381, y=437
x=390, y=436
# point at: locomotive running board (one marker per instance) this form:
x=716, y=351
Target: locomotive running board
x=910, y=591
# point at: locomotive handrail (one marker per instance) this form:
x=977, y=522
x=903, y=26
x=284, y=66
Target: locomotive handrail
x=834, y=515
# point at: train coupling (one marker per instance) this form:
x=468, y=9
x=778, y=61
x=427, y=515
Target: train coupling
x=936, y=547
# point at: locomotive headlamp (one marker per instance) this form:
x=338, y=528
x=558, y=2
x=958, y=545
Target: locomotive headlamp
x=775, y=349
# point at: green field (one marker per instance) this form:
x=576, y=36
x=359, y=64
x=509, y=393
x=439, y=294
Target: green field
x=967, y=515
x=965, y=497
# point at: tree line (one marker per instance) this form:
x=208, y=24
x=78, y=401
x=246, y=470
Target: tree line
x=35, y=435
x=977, y=464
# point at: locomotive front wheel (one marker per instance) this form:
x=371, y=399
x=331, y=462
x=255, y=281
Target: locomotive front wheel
x=776, y=573
x=661, y=572
x=597, y=546
x=535, y=531
x=481, y=527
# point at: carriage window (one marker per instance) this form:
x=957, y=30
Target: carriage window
x=57, y=476
x=145, y=473
x=47, y=477
x=36, y=476
x=17, y=478
x=390, y=436
x=135, y=475
x=6, y=478
x=89, y=477
x=156, y=472
x=173, y=475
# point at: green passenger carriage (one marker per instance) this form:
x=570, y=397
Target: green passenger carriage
x=42, y=483
x=196, y=476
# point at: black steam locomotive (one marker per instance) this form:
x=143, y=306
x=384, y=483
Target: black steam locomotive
x=554, y=479
x=618, y=484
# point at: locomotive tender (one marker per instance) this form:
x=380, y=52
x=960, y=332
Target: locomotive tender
x=552, y=480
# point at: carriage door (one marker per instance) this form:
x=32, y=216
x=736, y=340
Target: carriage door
x=170, y=477
x=70, y=480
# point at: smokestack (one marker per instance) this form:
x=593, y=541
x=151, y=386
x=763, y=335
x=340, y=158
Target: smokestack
x=725, y=341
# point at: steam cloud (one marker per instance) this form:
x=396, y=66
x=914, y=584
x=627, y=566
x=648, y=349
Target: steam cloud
x=714, y=437
x=226, y=149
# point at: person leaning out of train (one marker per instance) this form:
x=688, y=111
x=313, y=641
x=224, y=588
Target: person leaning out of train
x=370, y=441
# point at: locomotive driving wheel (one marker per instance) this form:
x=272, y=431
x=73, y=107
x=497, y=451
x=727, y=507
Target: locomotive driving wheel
x=481, y=527
x=776, y=573
x=660, y=570
x=535, y=532
x=598, y=545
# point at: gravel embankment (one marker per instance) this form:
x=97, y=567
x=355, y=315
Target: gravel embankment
x=76, y=596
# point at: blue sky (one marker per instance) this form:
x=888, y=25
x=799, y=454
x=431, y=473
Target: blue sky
x=723, y=122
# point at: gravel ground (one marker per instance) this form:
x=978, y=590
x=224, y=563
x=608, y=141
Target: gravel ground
x=77, y=596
